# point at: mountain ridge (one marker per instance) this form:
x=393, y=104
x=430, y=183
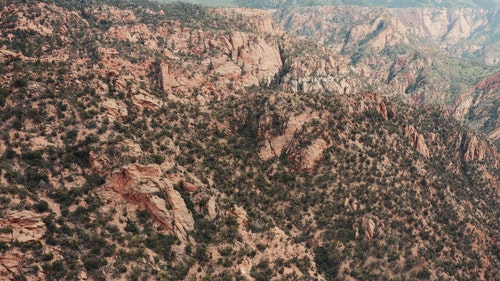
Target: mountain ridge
x=278, y=4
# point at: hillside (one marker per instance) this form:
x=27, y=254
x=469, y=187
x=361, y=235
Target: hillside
x=278, y=4
x=434, y=55
x=145, y=141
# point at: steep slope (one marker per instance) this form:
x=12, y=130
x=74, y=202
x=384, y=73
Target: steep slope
x=480, y=107
x=172, y=142
x=273, y=4
x=405, y=48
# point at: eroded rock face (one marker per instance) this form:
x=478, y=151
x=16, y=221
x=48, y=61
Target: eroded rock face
x=480, y=105
x=448, y=27
x=243, y=60
x=241, y=215
x=369, y=227
x=476, y=149
x=417, y=140
x=257, y=18
x=10, y=265
x=211, y=208
x=144, y=100
x=189, y=187
x=306, y=159
x=26, y=226
x=473, y=149
x=183, y=218
x=274, y=145
x=145, y=187
x=115, y=109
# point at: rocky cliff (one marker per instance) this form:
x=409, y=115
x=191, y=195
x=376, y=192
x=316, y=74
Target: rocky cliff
x=405, y=48
x=461, y=32
x=480, y=107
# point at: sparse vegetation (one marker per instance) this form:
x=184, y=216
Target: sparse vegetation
x=80, y=104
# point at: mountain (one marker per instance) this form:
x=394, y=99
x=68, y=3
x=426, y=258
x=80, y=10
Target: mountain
x=146, y=141
x=276, y=4
x=434, y=55
x=480, y=107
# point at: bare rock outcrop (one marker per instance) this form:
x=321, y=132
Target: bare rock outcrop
x=241, y=215
x=369, y=228
x=211, y=208
x=183, y=218
x=189, y=187
x=274, y=145
x=417, y=140
x=115, y=109
x=257, y=18
x=307, y=158
x=382, y=109
x=480, y=104
x=25, y=226
x=7, y=54
x=99, y=162
x=237, y=58
x=143, y=185
x=144, y=100
x=474, y=148
x=10, y=265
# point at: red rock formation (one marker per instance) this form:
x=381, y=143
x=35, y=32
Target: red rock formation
x=26, y=226
x=307, y=158
x=480, y=104
x=189, y=187
x=275, y=145
x=369, y=227
x=382, y=110
x=144, y=100
x=417, y=140
x=141, y=185
x=115, y=109
x=476, y=149
x=211, y=208
x=241, y=215
x=10, y=265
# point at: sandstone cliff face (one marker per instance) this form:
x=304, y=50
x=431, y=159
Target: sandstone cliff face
x=260, y=20
x=307, y=158
x=455, y=30
x=398, y=47
x=480, y=106
x=11, y=266
x=25, y=226
x=458, y=31
x=237, y=58
x=369, y=227
x=242, y=59
x=475, y=149
x=145, y=187
x=116, y=109
x=275, y=145
x=417, y=140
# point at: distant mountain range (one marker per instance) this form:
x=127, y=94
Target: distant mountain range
x=366, y=3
